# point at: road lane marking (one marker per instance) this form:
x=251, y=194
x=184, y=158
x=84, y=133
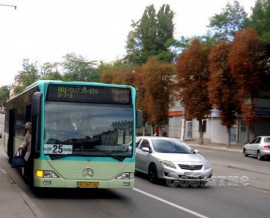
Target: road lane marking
x=170, y=203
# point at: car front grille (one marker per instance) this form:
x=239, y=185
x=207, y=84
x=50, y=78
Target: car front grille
x=190, y=167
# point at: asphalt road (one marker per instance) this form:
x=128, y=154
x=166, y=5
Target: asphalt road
x=241, y=188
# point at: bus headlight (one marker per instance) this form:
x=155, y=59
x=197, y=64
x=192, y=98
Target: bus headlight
x=125, y=176
x=46, y=174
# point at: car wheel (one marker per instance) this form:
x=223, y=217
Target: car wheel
x=245, y=152
x=152, y=173
x=184, y=182
x=259, y=155
x=195, y=182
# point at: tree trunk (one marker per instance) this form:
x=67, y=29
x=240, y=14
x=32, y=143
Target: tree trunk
x=228, y=137
x=201, y=138
x=201, y=132
x=251, y=134
x=143, y=130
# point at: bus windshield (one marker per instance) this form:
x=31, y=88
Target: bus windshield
x=86, y=129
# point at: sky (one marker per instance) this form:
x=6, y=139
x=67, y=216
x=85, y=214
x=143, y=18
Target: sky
x=47, y=30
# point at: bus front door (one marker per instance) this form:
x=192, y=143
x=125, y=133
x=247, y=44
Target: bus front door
x=11, y=134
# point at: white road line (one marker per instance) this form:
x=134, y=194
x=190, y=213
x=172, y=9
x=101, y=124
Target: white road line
x=170, y=203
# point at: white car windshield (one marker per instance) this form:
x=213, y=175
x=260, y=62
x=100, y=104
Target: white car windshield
x=171, y=146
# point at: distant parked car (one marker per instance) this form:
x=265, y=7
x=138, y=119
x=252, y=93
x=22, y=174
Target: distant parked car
x=259, y=146
x=160, y=157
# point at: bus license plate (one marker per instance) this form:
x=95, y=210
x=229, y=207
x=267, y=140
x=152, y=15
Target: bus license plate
x=87, y=184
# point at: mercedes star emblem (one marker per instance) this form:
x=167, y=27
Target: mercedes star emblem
x=88, y=173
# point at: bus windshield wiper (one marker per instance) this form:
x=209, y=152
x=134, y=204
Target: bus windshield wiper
x=119, y=158
x=55, y=157
x=116, y=157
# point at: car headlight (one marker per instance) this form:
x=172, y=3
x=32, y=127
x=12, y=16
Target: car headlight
x=208, y=165
x=168, y=164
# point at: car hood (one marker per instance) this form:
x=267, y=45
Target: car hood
x=180, y=158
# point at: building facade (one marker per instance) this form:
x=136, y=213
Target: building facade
x=178, y=127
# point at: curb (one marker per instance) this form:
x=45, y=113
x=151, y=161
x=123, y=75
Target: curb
x=238, y=150
x=33, y=208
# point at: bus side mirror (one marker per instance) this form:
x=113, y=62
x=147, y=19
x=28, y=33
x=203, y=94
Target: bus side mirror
x=139, y=119
x=36, y=102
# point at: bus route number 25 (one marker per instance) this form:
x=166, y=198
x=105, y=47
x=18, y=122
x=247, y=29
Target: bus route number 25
x=57, y=149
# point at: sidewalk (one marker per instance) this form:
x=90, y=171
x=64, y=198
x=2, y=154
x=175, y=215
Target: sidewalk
x=216, y=146
x=14, y=203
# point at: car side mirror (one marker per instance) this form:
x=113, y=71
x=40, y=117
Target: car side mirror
x=146, y=149
x=196, y=151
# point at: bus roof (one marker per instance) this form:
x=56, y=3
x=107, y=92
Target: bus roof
x=41, y=82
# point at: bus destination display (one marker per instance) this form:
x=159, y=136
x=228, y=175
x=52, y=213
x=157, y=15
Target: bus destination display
x=83, y=93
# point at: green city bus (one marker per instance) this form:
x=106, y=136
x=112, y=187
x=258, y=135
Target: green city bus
x=83, y=133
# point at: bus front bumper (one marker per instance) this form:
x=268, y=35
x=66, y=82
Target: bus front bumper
x=62, y=183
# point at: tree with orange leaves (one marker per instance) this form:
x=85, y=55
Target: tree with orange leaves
x=107, y=76
x=243, y=63
x=155, y=87
x=141, y=92
x=193, y=77
x=222, y=88
x=118, y=76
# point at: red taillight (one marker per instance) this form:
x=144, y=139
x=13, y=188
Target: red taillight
x=266, y=146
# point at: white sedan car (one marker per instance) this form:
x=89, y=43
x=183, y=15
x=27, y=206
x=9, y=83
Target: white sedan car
x=164, y=158
x=259, y=146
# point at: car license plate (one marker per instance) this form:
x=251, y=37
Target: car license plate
x=87, y=184
x=192, y=174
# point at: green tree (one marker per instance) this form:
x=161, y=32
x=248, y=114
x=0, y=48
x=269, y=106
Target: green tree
x=49, y=71
x=232, y=19
x=27, y=76
x=152, y=35
x=193, y=77
x=77, y=68
x=4, y=95
x=260, y=19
